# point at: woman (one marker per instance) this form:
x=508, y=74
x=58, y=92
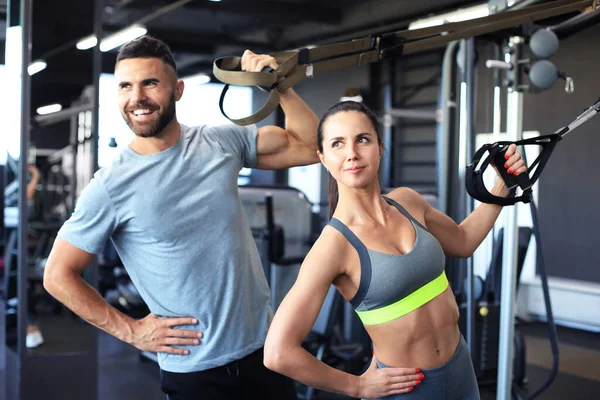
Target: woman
x=385, y=255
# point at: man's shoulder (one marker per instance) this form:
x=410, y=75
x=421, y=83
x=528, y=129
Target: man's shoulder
x=220, y=129
x=188, y=131
x=224, y=136
x=112, y=173
x=197, y=133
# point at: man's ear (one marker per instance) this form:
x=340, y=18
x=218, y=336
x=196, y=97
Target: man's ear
x=179, y=86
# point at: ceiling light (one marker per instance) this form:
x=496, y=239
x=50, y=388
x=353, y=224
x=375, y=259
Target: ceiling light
x=462, y=14
x=119, y=38
x=36, y=67
x=357, y=98
x=199, y=79
x=87, y=42
x=52, y=108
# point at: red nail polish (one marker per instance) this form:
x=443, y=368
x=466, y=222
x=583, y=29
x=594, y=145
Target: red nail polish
x=510, y=171
x=419, y=382
x=506, y=156
x=418, y=370
x=516, y=173
x=506, y=165
x=421, y=376
x=411, y=388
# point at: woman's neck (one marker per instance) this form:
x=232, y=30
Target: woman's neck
x=361, y=205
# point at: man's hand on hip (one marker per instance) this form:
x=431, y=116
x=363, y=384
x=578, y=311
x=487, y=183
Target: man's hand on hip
x=157, y=334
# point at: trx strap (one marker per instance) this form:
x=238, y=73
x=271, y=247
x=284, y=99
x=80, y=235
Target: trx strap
x=474, y=177
x=297, y=65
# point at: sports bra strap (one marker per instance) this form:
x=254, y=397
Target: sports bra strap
x=402, y=210
x=363, y=255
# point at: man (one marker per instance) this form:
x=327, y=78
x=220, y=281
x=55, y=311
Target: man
x=171, y=207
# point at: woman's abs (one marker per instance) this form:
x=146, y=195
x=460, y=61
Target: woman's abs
x=424, y=338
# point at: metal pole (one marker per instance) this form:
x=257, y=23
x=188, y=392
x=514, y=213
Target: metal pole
x=91, y=273
x=96, y=70
x=22, y=269
x=445, y=127
x=466, y=130
x=387, y=161
x=496, y=129
x=408, y=113
x=497, y=113
x=74, y=150
x=514, y=126
x=49, y=119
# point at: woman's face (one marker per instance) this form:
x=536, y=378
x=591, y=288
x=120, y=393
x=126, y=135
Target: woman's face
x=351, y=151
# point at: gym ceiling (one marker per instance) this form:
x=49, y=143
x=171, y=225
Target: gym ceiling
x=200, y=31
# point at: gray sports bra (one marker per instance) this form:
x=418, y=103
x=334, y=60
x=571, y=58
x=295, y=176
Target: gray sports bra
x=394, y=285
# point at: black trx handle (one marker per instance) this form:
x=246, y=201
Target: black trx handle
x=474, y=177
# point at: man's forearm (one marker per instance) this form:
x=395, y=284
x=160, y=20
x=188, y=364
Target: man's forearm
x=83, y=300
x=300, y=119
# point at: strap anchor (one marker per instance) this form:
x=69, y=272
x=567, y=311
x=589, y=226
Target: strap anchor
x=297, y=65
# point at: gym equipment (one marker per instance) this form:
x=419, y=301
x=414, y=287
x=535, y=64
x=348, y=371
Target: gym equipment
x=42, y=231
x=297, y=65
x=474, y=181
x=280, y=218
x=543, y=43
x=543, y=74
x=487, y=317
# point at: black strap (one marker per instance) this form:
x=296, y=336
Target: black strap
x=474, y=177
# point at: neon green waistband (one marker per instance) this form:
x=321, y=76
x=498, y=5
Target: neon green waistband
x=403, y=306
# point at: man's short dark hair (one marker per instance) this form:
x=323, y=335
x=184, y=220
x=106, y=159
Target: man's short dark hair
x=147, y=47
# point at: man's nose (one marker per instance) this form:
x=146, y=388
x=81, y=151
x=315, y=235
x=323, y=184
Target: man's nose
x=138, y=94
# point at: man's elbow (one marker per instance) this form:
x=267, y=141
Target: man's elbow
x=52, y=278
x=275, y=358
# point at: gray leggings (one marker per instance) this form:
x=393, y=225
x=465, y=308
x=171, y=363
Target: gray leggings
x=455, y=380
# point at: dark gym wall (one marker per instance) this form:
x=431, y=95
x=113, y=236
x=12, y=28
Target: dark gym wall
x=569, y=193
x=55, y=136
x=568, y=190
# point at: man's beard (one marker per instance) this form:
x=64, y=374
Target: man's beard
x=153, y=128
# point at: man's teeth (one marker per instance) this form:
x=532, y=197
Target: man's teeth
x=141, y=112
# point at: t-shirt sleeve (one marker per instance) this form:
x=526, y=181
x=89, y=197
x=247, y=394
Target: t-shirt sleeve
x=93, y=220
x=239, y=140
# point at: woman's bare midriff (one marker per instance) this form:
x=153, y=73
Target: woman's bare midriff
x=424, y=338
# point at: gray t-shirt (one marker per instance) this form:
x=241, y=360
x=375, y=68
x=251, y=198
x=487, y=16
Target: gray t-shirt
x=177, y=222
